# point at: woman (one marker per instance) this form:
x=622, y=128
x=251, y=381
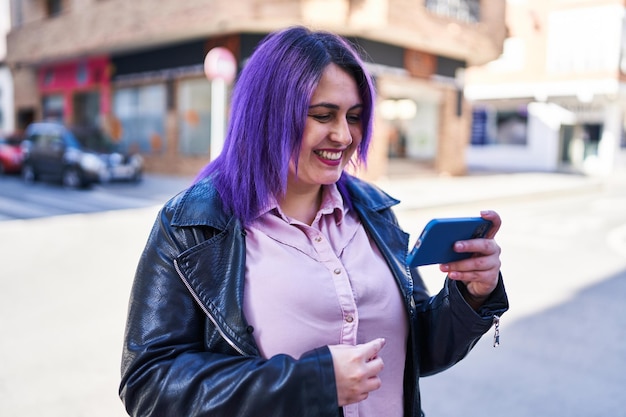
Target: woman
x=271, y=285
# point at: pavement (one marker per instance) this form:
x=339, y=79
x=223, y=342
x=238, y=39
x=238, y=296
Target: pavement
x=420, y=187
x=553, y=360
x=427, y=190
x=63, y=311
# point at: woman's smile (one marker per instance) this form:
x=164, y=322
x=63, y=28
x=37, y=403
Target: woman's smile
x=330, y=157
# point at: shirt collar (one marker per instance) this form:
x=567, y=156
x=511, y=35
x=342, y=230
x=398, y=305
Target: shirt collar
x=332, y=204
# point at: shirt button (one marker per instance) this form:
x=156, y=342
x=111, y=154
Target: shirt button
x=318, y=239
x=349, y=319
x=337, y=271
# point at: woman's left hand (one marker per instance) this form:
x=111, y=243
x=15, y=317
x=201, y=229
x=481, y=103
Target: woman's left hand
x=480, y=272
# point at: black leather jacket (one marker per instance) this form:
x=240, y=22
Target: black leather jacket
x=189, y=351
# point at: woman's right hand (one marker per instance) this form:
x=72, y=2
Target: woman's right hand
x=356, y=370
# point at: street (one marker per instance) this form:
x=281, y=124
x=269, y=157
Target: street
x=44, y=199
x=66, y=279
x=563, y=343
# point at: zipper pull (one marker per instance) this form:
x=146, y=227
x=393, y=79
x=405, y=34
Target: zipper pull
x=496, y=335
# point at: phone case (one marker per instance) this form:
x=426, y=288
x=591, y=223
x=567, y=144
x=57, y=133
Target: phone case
x=435, y=243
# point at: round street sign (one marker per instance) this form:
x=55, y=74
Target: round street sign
x=220, y=63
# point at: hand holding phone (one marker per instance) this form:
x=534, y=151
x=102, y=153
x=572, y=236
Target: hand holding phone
x=435, y=244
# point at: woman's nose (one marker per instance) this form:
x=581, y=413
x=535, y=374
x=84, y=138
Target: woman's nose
x=341, y=133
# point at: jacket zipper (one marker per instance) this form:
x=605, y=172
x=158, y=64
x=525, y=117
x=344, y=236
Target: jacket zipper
x=496, y=334
x=206, y=311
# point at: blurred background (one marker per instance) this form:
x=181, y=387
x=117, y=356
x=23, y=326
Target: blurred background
x=516, y=105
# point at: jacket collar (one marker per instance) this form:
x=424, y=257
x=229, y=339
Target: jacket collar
x=200, y=204
x=365, y=194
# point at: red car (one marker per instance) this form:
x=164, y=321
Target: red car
x=11, y=155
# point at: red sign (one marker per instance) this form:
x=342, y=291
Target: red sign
x=85, y=73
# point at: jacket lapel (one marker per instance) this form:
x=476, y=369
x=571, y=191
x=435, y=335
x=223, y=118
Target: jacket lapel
x=373, y=206
x=213, y=271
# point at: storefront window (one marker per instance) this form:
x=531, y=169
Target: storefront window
x=17, y=16
x=54, y=7
x=2, y=128
x=499, y=127
x=194, y=115
x=140, y=112
x=412, y=127
x=463, y=10
x=52, y=107
x=423, y=131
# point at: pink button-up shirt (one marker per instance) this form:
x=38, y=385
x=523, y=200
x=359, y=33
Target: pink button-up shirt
x=325, y=284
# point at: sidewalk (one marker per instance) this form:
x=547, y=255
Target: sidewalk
x=419, y=187
x=423, y=188
x=428, y=190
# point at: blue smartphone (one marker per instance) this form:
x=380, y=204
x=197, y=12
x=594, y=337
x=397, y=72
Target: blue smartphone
x=435, y=243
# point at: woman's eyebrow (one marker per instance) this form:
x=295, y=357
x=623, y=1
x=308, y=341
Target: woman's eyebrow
x=333, y=106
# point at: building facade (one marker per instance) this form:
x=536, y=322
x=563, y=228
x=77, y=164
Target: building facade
x=137, y=69
x=555, y=100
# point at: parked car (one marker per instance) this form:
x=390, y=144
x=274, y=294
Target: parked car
x=76, y=156
x=11, y=154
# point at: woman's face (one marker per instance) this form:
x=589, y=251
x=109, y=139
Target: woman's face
x=332, y=132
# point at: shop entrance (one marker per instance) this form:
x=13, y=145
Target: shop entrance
x=25, y=117
x=578, y=143
x=86, y=108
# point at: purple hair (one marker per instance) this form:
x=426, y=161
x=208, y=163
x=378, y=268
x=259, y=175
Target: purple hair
x=269, y=109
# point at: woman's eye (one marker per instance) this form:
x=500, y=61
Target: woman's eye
x=321, y=117
x=354, y=118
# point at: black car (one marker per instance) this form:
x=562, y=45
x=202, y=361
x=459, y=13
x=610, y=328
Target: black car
x=76, y=156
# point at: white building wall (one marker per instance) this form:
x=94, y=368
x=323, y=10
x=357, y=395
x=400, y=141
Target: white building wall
x=585, y=48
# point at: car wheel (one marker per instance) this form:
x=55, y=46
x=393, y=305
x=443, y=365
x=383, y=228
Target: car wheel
x=72, y=178
x=137, y=176
x=28, y=174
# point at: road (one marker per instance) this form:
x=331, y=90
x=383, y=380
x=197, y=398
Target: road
x=563, y=343
x=44, y=199
x=66, y=278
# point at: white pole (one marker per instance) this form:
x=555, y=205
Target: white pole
x=609, y=145
x=218, y=116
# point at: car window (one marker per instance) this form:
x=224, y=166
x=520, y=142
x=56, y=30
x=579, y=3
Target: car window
x=55, y=140
x=37, y=139
x=94, y=139
x=12, y=140
x=50, y=140
x=43, y=140
x=71, y=140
